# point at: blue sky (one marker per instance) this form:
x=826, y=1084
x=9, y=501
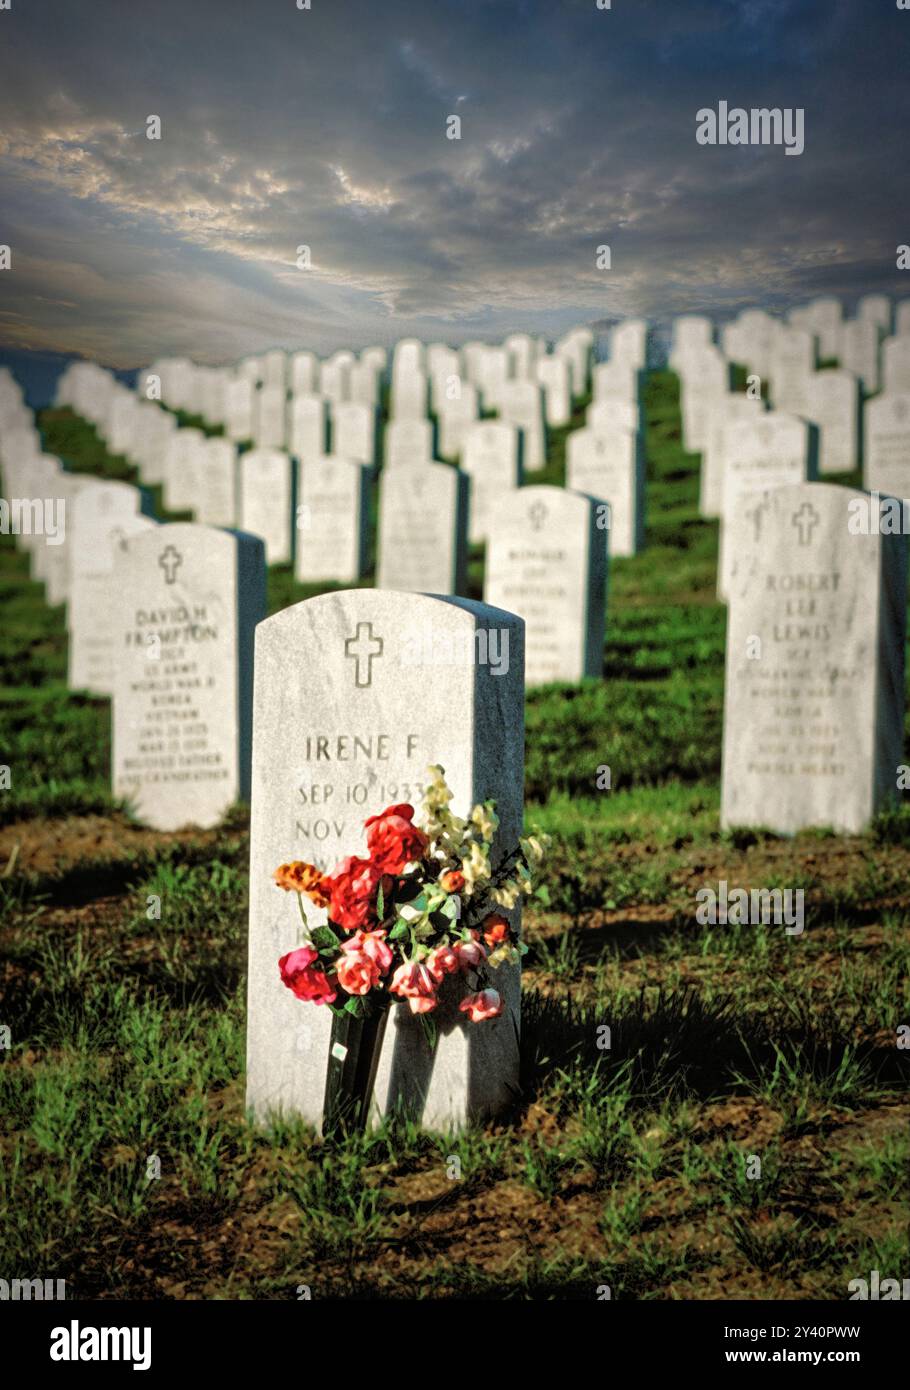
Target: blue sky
x=327, y=127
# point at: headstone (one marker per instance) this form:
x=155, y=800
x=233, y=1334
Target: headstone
x=825, y=318
x=629, y=344
x=610, y=467
x=793, y=359
x=275, y=370
x=332, y=514
x=887, y=445
x=215, y=501
x=265, y=501
x=554, y=375
x=93, y=600
x=105, y=500
x=704, y=380
x=576, y=346
x=239, y=403
x=692, y=332
x=363, y=385
x=181, y=483
x=613, y=413
x=304, y=373
x=410, y=395
x=616, y=381
x=407, y=442
x=732, y=409
x=456, y=414
x=814, y=700
x=902, y=318
x=521, y=404
x=761, y=455
x=896, y=365
x=833, y=404
x=522, y=352
x=334, y=378
x=346, y=722
x=492, y=460
x=493, y=366
x=271, y=418
x=547, y=561
x=875, y=308
x=860, y=346
x=354, y=432
x=423, y=515
x=308, y=427
x=188, y=600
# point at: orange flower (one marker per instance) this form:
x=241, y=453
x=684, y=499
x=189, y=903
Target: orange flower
x=298, y=877
x=496, y=929
x=452, y=880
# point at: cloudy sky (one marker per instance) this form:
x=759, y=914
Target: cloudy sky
x=326, y=127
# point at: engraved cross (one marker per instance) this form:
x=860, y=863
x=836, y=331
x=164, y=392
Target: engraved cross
x=170, y=561
x=362, y=648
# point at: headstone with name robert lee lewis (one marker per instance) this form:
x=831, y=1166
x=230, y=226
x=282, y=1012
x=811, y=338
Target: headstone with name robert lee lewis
x=492, y=460
x=770, y=452
x=423, y=516
x=547, y=561
x=887, y=447
x=814, y=700
x=348, y=716
x=331, y=523
x=265, y=501
x=92, y=608
x=188, y=600
x=610, y=466
x=833, y=404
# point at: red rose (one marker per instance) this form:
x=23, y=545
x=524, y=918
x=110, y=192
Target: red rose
x=299, y=973
x=393, y=840
x=496, y=929
x=354, y=883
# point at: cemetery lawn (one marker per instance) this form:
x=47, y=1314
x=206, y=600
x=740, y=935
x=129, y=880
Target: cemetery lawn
x=625, y=1166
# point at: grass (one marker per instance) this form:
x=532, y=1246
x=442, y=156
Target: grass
x=705, y=1111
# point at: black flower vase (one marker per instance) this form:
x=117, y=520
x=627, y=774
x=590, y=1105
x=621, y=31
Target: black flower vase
x=351, y=1073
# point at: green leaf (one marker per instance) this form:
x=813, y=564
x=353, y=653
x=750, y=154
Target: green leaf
x=429, y=1031
x=354, y=1006
x=380, y=902
x=398, y=931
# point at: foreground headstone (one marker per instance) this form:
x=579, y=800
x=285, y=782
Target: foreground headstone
x=814, y=701
x=188, y=599
x=547, y=561
x=357, y=693
x=332, y=514
x=610, y=466
x=265, y=501
x=423, y=515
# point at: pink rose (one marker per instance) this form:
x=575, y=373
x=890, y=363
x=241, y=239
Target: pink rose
x=353, y=884
x=371, y=944
x=357, y=973
x=441, y=962
x=415, y=983
x=471, y=954
x=478, y=1007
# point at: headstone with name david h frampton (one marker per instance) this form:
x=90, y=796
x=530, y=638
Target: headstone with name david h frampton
x=357, y=694
x=547, y=561
x=188, y=600
x=814, y=697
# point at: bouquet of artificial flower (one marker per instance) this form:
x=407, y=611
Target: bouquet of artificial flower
x=419, y=907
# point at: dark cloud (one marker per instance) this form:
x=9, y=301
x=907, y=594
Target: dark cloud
x=326, y=127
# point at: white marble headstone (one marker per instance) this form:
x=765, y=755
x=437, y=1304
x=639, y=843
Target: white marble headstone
x=422, y=542
x=331, y=525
